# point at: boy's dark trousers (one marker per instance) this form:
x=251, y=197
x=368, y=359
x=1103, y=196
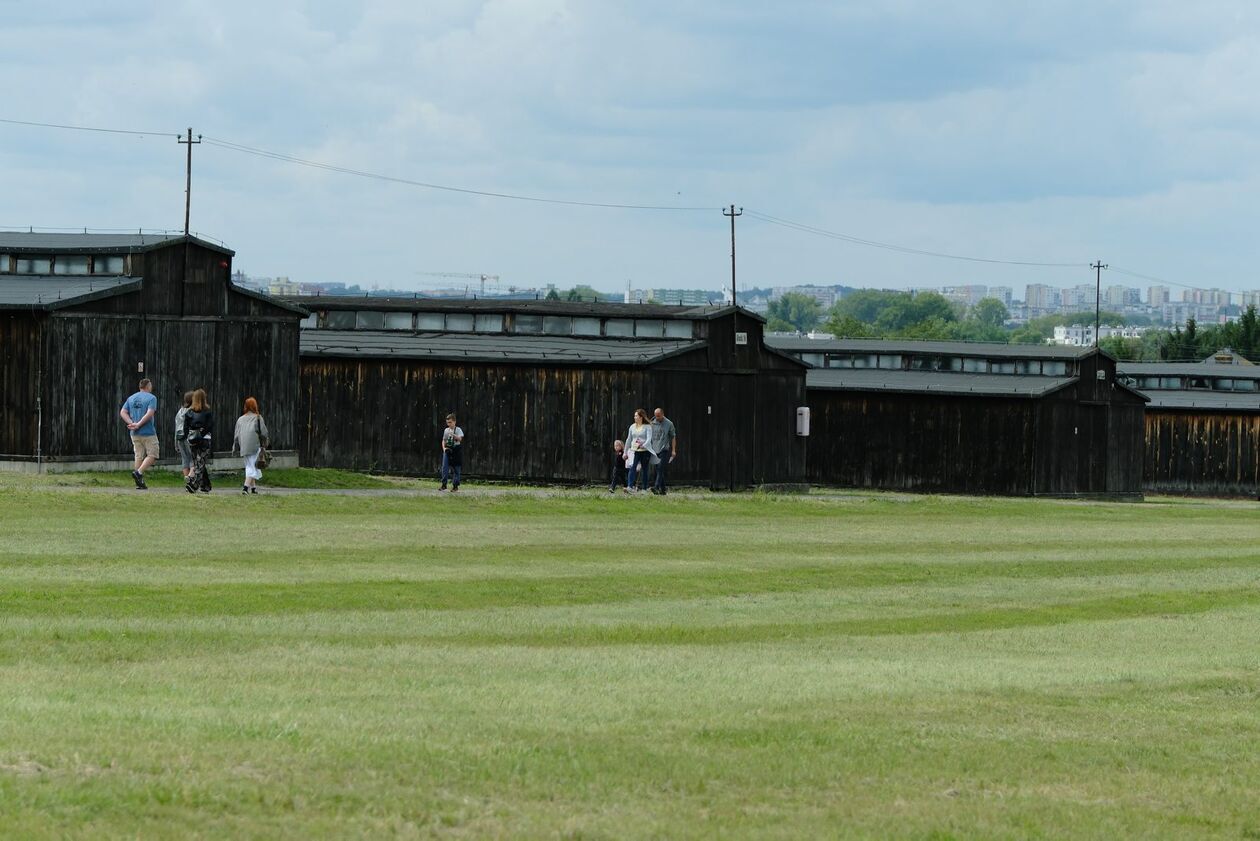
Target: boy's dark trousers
x=452, y=466
x=618, y=473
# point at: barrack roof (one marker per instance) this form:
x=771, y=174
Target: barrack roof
x=802, y=344
x=1189, y=369
x=934, y=382
x=1220, y=401
x=481, y=347
x=47, y=292
x=35, y=242
x=605, y=309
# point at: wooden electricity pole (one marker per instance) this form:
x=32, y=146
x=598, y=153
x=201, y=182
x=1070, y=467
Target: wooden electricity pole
x=733, y=213
x=1097, y=267
x=189, y=142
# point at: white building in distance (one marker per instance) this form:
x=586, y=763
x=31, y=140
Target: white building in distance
x=1082, y=335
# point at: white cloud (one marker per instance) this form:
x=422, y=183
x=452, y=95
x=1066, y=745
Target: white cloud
x=1066, y=128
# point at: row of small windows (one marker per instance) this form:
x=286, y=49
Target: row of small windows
x=956, y=364
x=1195, y=383
x=518, y=323
x=67, y=264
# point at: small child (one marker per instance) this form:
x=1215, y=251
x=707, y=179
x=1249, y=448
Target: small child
x=618, y=467
x=452, y=453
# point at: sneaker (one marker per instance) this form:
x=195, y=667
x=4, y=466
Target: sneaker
x=254, y=489
x=454, y=489
x=139, y=478
x=655, y=491
x=441, y=488
x=205, y=490
x=245, y=489
x=188, y=486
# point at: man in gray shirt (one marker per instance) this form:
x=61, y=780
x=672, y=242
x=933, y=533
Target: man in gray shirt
x=663, y=442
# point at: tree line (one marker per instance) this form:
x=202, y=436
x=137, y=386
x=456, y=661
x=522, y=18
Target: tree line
x=871, y=313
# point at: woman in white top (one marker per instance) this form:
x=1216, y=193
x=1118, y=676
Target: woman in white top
x=181, y=443
x=638, y=444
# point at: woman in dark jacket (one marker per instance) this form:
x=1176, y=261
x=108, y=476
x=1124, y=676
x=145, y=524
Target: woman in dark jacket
x=198, y=432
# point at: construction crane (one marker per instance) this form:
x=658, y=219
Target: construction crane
x=481, y=277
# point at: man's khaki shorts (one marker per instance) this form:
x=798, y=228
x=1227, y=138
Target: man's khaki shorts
x=145, y=446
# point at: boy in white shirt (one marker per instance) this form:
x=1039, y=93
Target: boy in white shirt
x=452, y=453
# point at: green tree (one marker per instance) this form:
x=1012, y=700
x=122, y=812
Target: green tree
x=552, y=295
x=904, y=310
x=864, y=305
x=871, y=312
x=583, y=292
x=1170, y=344
x=1249, y=334
x=1129, y=350
x=1027, y=335
x=933, y=328
x=1180, y=345
x=1150, y=344
x=990, y=312
x=848, y=327
x=793, y=312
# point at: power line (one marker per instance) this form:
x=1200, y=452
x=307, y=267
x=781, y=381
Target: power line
x=774, y=220
x=293, y=159
x=765, y=217
x=89, y=128
x=1154, y=279
x=810, y=229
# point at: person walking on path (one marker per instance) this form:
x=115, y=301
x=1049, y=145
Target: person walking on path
x=181, y=443
x=639, y=443
x=138, y=412
x=452, y=453
x=665, y=446
x=199, y=432
x=248, y=440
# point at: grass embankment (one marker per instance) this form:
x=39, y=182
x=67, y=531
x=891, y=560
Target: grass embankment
x=306, y=478
x=574, y=666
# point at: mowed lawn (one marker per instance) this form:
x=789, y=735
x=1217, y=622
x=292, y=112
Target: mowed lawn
x=577, y=666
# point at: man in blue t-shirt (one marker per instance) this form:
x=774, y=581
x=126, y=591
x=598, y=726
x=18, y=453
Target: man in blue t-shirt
x=138, y=412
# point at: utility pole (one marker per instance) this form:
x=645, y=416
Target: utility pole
x=733, y=213
x=1097, y=267
x=188, y=175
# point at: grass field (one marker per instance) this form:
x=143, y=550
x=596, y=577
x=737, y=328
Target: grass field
x=576, y=666
x=230, y=478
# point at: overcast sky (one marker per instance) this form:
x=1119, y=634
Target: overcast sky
x=1126, y=131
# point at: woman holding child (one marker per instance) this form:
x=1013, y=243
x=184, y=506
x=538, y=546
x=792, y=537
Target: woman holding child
x=638, y=444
